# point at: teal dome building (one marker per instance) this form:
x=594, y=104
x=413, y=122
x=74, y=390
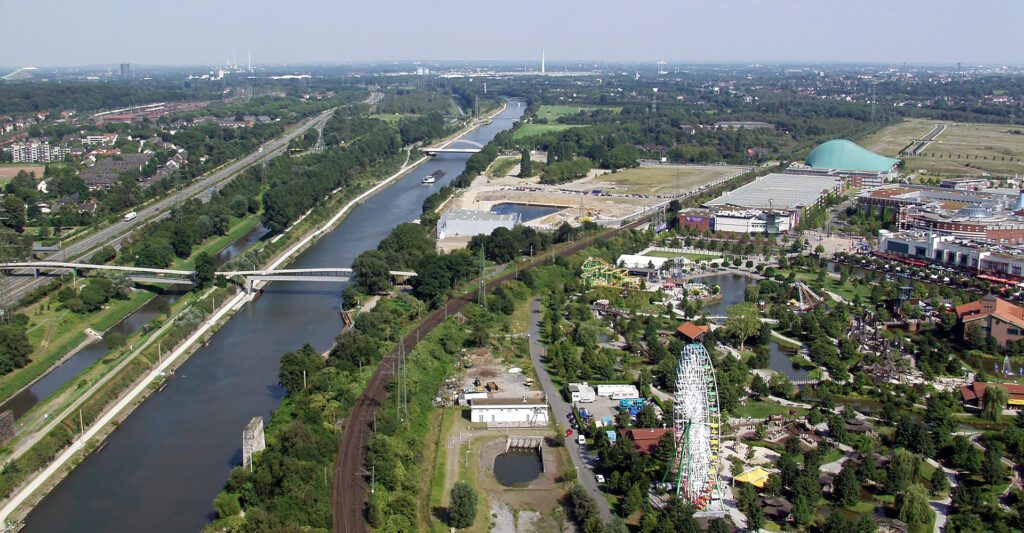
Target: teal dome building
x=845, y=156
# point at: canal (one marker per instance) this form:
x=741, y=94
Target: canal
x=161, y=469
x=52, y=381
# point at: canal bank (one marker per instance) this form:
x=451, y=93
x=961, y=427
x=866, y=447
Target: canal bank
x=162, y=466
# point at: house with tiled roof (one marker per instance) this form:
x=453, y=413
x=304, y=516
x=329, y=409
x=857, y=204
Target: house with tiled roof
x=974, y=394
x=645, y=440
x=691, y=332
x=995, y=317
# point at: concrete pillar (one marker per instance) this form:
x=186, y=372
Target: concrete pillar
x=248, y=285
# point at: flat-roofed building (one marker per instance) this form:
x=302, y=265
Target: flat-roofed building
x=510, y=412
x=780, y=192
x=469, y=222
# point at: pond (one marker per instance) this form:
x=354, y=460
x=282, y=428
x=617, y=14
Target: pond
x=517, y=468
x=526, y=212
x=779, y=361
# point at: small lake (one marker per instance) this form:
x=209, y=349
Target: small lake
x=517, y=468
x=778, y=360
x=526, y=212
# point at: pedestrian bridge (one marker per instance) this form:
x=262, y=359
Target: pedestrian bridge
x=469, y=147
x=187, y=277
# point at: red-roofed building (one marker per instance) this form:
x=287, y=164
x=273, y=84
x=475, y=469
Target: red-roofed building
x=974, y=394
x=644, y=440
x=688, y=331
x=996, y=317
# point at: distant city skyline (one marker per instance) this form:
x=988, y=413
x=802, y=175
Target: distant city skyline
x=192, y=32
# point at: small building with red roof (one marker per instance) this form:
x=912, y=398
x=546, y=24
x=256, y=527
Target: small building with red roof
x=645, y=440
x=691, y=332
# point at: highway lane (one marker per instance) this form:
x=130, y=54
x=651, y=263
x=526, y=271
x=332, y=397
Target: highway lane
x=115, y=233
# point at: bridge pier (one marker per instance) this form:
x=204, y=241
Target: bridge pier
x=248, y=285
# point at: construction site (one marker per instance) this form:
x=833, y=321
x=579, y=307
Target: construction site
x=603, y=196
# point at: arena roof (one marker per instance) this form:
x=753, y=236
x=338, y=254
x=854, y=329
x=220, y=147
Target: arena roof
x=840, y=154
x=778, y=191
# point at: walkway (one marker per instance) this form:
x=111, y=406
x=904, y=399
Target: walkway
x=561, y=410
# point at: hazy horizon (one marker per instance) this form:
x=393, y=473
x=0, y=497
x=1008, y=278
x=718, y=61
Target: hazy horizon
x=937, y=32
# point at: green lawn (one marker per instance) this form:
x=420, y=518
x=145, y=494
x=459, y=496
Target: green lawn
x=553, y=112
x=529, y=130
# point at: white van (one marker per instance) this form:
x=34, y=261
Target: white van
x=130, y=216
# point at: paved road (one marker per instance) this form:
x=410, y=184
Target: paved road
x=562, y=410
x=113, y=235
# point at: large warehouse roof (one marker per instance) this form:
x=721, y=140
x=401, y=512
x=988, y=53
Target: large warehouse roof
x=778, y=191
x=841, y=154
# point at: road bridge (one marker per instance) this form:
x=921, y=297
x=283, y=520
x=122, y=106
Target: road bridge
x=166, y=275
x=326, y=274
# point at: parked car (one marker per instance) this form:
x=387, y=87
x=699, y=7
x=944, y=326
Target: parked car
x=599, y=477
x=581, y=439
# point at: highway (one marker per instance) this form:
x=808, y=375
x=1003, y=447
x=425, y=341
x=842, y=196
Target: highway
x=115, y=233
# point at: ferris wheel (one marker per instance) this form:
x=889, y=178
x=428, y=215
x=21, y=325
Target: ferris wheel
x=697, y=424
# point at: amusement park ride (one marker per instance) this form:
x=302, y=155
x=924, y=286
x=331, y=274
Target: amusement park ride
x=599, y=273
x=697, y=423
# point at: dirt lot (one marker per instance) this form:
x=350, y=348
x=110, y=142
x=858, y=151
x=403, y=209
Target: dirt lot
x=9, y=171
x=665, y=179
x=487, y=370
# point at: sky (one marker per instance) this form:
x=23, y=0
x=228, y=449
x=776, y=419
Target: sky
x=49, y=33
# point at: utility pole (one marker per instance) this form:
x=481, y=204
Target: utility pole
x=482, y=296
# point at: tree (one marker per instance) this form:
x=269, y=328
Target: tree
x=647, y=418
x=847, y=488
x=743, y=320
x=759, y=388
x=525, y=164
x=995, y=401
x=939, y=482
x=462, y=506
x=204, y=269
x=227, y=505
x=992, y=468
x=913, y=505
x=371, y=272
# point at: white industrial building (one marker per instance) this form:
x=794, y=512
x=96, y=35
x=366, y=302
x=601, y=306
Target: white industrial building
x=753, y=221
x=581, y=392
x=618, y=391
x=510, y=412
x=469, y=222
x=640, y=261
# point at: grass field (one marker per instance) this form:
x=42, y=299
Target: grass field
x=665, y=179
x=529, y=130
x=553, y=112
x=390, y=118
x=961, y=149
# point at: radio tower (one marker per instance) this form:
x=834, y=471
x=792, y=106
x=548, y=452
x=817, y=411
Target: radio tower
x=697, y=424
x=542, y=59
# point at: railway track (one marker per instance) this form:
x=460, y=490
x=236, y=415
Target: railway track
x=350, y=488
